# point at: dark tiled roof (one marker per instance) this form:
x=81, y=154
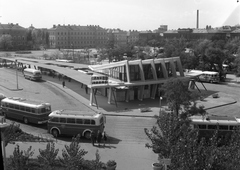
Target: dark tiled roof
x=10, y=26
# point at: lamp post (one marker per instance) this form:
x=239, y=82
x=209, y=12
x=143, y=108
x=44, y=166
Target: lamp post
x=160, y=105
x=16, y=73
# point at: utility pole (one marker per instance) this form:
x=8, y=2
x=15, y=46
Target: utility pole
x=16, y=73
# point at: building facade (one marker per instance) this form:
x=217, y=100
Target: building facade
x=76, y=36
x=18, y=34
x=136, y=79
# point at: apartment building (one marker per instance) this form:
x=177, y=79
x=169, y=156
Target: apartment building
x=76, y=36
x=18, y=34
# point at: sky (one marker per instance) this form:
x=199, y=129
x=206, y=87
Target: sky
x=124, y=14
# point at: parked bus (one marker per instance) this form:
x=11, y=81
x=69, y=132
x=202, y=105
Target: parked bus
x=209, y=124
x=206, y=76
x=67, y=122
x=26, y=110
x=32, y=74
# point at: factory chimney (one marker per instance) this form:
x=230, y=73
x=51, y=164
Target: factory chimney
x=197, y=18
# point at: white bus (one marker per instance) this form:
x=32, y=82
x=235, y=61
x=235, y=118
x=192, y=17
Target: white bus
x=207, y=125
x=32, y=74
x=67, y=122
x=206, y=76
x=28, y=111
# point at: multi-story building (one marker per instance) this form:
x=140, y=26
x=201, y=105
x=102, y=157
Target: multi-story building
x=18, y=34
x=76, y=36
x=206, y=33
x=132, y=36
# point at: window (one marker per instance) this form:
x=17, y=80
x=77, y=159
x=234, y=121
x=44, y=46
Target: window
x=223, y=127
x=79, y=121
x=53, y=119
x=43, y=110
x=212, y=126
x=17, y=107
x=62, y=120
x=87, y=122
x=28, y=109
x=22, y=108
x=70, y=120
x=202, y=126
x=93, y=122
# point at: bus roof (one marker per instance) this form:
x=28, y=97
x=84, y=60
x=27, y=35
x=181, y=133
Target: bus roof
x=75, y=113
x=25, y=102
x=215, y=119
x=31, y=70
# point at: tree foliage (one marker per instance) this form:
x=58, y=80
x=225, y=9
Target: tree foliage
x=6, y=42
x=72, y=155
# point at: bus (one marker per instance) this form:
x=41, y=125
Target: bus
x=28, y=111
x=32, y=74
x=206, y=76
x=68, y=122
x=207, y=125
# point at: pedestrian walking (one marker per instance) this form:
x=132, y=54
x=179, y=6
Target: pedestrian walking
x=99, y=137
x=93, y=138
x=63, y=83
x=104, y=137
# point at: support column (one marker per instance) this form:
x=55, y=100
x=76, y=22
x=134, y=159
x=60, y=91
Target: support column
x=127, y=95
x=140, y=97
x=109, y=95
x=154, y=90
x=91, y=96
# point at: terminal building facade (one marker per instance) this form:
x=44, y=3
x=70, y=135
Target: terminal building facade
x=136, y=79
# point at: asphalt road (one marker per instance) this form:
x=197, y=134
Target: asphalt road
x=120, y=129
x=229, y=90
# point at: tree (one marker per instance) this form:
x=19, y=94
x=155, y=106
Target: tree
x=6, y=42
x=177, y=94
x=20, y=159
x=73, y=155
x=48, y=157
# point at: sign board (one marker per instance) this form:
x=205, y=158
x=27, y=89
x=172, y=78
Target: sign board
x=95, y=79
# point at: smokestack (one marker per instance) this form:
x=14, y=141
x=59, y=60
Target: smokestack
x=197, y=18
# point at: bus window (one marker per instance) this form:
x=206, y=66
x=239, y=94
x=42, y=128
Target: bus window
x=223, y=127
x=212, y=126
x=11, y=105
x=43, y=110
x=33, y=110
x=17, y=107
x=87, y=121
x=202, y=126
x=232, y=127
x=70, y=120
x=53, y=119
x=62, y=120
x=93, y=122
x=22, y=108
x=79, y=121
x=28, y=109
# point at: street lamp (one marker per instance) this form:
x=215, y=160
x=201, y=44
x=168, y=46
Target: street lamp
x=16, y=73
x=160, y=105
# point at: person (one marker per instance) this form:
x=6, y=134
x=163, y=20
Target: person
x=99, y=137
x=93, y=138
x=63, y=83
x=104, y=137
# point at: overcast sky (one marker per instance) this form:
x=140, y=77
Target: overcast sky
x=124, y=14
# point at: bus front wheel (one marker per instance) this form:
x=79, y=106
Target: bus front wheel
x=55, y=133
x=25, y=120
x=87, y=135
